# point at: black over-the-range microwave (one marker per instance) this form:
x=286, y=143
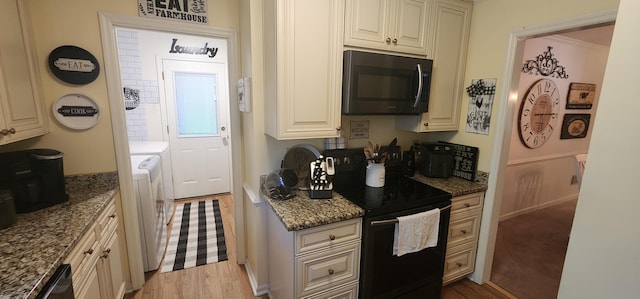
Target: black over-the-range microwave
x=385, y=84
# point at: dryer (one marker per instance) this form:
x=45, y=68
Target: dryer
x=160, y=149
x=150, y=203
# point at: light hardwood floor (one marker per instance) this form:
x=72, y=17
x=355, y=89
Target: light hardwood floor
x=224, y=279
x=227, y=279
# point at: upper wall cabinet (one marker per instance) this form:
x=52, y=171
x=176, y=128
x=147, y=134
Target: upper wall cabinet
x=389, y=25
x=22, y=111
x=303, y=68
x=451, y=23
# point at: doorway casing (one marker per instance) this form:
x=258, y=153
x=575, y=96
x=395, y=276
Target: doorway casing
x=502, y=138
x=108, y=24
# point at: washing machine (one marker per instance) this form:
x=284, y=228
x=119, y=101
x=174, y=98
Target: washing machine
x=150, y=202
x=160, y=149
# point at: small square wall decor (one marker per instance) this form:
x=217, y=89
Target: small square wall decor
x=581, y=95
x=575, y=126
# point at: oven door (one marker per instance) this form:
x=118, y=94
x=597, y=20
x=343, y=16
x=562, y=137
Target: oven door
x=59, y=286
x=414, y=275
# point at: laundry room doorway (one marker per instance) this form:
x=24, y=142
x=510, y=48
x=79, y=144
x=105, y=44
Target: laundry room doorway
x=132, y=47
x=196, y=102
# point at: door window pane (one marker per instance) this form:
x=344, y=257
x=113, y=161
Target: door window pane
x=196, y=97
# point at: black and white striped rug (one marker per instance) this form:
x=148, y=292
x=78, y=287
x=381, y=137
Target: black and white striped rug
x=197, y=236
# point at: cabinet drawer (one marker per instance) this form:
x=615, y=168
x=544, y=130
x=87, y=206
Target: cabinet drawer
x=349, y=291
x=326, y=235
x=467, y=202
x=108, y=221
x=327, y=269
x=462, y=230
x=83, y=257
x=459, y=262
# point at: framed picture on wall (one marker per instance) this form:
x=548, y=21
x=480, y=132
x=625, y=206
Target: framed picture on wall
x=575, y=126
x=581, y=95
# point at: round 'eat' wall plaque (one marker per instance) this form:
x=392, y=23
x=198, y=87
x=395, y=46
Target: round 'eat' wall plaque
x=73, y=65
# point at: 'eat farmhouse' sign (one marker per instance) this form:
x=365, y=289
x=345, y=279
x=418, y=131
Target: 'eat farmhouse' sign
x=191, y=11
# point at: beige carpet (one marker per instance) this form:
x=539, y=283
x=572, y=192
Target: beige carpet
x=530, y=251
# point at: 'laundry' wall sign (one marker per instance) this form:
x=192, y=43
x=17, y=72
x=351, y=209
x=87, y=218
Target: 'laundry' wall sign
x=194, y=50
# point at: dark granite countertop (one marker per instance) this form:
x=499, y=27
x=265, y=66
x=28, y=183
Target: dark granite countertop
x=455, y=186
x=32, y=249
x=302, y=212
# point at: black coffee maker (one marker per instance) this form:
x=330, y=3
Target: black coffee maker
x=35, y=178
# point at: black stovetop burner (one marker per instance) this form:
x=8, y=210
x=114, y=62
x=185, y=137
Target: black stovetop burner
x=400, y=192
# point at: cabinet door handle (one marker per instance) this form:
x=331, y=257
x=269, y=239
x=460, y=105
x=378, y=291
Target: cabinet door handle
x=105, y=253
x=6, y=132
x=113, y=215
x=89, y=251
x=395, y=40
x=463, y=231
x=459, y=264
x=388, y=40
x=332, y=237
x=425, y=124
x=331, y=271
x=466, y=204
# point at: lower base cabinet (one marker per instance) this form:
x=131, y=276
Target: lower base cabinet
x=462, y=244
x=97, y=262
x=319, y=262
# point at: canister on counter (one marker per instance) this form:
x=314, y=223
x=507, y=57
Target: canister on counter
x=7, y=209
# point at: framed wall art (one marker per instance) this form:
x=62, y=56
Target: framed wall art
x=581, y=95
x=575, y=126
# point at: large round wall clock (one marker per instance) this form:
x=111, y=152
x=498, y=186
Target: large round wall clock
x=538, y=113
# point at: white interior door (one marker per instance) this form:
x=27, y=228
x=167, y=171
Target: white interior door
x=197, y=101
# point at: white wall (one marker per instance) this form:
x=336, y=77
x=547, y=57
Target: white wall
x=602, y=258
x=536, y=178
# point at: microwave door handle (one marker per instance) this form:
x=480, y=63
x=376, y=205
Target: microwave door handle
x=419, y=92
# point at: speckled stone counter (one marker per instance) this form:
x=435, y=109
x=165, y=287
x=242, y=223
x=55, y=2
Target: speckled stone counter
x=32, y=249
x=455, y=186
x=302, y=212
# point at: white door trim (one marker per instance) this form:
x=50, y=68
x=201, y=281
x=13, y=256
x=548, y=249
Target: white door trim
x=108, y=24
x=502, y=139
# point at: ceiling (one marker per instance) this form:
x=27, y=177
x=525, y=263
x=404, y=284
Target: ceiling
x=597, y=35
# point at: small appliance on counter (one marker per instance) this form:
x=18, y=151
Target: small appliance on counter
x=322, y=170
x=281, y=183
x=7, y=209
x=434, y=159
x=35, y=178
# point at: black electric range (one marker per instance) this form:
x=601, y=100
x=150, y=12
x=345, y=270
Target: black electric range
x=399, y=193
x=383, y=274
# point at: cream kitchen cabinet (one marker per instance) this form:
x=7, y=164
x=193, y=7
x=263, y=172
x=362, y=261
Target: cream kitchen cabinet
x=389, y=25
x=303, y=68
x=319, y=262
x=464, y=226
x=451, y=24
x=21, y=105
x=97, y=261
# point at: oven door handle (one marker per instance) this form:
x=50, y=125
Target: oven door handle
x=392, y=221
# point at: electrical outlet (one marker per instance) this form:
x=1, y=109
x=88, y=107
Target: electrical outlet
x=574, y=180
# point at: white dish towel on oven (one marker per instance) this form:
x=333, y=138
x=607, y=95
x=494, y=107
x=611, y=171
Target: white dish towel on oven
x=416, y=232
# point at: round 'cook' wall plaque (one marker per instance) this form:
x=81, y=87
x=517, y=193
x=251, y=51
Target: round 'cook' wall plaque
x=73, y=65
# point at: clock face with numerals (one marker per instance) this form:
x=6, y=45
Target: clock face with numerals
x=538, y=113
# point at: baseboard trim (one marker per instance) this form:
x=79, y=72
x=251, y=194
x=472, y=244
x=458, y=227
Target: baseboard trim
x=501, y=290
x=255, y=288
x=538, y=207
